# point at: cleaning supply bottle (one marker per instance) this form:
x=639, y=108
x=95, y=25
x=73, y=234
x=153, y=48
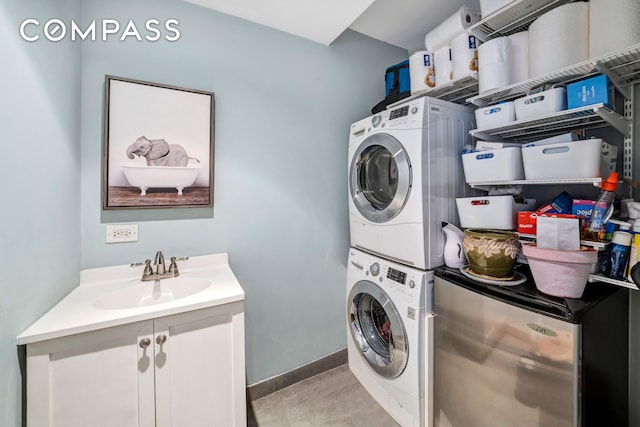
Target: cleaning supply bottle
x=634, y=254
x=595, y=228
x=619, y=252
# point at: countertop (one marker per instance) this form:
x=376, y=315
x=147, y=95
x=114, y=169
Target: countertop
x=76, y=312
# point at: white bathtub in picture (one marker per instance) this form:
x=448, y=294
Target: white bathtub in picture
x=145, y=177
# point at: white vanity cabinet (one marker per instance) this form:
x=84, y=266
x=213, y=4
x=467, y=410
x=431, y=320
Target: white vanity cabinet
x=179, y=363
x=181, y=370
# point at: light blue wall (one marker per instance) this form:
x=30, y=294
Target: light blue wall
x=283, y=109
x=40, y=235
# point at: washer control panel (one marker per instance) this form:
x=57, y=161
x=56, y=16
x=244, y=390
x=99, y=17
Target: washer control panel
x=395, y=279
x=408, y=114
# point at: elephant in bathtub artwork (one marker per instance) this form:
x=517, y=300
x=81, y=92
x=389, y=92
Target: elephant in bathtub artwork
x=167, y=166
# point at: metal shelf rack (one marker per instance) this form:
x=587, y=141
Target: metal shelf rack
x=622, y=67
x=515, y=17
x=589, y=117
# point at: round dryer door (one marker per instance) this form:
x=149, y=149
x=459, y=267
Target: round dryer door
x=377, y=329
x=380, y=177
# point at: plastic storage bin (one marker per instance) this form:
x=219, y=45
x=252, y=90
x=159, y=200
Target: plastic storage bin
x=504, y=164
x=499, y=212
x=566, y=160
x=540, y=104
x=495, y=115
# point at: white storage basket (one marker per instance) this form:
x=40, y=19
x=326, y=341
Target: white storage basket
x=567, y=160
x=504, y=164
x=495, y=115
x=498, y=212
x=540, y=104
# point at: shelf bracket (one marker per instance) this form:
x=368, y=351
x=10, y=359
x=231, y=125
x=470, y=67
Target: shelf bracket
x=614, y=119
x=604, y=69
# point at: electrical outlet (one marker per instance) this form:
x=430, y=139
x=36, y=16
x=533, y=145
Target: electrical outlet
x=120, y=233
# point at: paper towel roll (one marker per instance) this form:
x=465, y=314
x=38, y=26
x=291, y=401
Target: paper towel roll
x=519, y=58
x=421, y=72
x=443, y=66
x=494, y=68
x=613, y=25
x=559, y=38
x=464, y=56
x=456, y=24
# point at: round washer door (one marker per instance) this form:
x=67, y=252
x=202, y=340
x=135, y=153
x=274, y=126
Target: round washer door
x=377, y=329
x=380, y=177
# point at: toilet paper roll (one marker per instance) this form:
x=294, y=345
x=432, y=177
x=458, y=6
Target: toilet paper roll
x=456, y=24
x=519, y=58
x=464, y=56
x=559, y=38
x=613, y=27
x=421, y=73
x=443, y=66
x=494, y=68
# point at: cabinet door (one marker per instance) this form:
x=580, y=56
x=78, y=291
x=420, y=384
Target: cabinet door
x=101, y=378
x=199, y=358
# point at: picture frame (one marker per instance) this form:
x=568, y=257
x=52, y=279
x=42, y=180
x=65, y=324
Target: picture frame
x=158, y=146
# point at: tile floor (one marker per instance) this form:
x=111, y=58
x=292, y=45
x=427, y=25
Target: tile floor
x=333, y=398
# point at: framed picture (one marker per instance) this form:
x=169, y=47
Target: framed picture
x=158, y=146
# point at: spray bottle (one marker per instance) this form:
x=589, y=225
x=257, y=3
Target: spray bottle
x=595, y=228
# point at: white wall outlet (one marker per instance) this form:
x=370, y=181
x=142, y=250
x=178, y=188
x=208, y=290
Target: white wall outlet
x=120, y=233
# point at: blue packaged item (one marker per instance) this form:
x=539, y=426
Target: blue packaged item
x=594, y=90
x=397, y=79
x=397, y=85
x=562, y=204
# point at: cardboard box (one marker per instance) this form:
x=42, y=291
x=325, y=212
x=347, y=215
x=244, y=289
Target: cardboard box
x=594, y=90
x=582, y=208
x=527, y=221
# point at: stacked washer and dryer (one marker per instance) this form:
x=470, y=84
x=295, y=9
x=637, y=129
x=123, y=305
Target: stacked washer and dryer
x=405, y=172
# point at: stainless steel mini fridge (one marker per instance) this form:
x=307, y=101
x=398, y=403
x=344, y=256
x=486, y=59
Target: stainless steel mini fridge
x=512, y=356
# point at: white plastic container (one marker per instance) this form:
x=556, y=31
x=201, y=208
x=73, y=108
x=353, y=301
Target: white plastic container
x=495, y=115
x=498, y=212
x=540, y=104
x=487, y=7
x=504, y=164
x=566, y=160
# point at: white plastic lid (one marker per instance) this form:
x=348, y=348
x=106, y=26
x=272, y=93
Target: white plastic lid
x=621, y=238
x=636, y=225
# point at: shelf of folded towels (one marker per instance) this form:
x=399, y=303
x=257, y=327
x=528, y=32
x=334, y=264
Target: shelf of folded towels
x=588, y=117
x=622, y=67
x=514, y=17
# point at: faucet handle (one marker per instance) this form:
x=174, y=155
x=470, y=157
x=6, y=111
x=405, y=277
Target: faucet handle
x=173, y=267
x=147, y=267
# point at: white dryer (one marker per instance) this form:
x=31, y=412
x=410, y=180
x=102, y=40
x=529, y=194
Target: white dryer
x=405, y=171
x=389, y=343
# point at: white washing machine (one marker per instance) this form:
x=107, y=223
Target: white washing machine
x=389, y=335
x=405, y=171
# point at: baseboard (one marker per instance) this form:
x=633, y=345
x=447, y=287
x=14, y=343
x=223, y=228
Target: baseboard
x=263, y=388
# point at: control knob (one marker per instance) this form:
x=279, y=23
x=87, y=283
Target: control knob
x=374, y=269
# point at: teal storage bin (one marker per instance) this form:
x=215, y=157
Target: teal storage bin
x=594, y=90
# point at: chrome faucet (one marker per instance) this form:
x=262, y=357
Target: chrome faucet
x=161, y=272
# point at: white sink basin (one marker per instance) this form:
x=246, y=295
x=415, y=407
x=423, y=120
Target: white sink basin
x=141, y=294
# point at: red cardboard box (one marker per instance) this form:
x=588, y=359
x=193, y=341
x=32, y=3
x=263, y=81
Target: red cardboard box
x=527, y=221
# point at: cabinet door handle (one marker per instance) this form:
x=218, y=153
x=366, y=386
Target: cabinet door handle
x=161, y=339
x=144, y=343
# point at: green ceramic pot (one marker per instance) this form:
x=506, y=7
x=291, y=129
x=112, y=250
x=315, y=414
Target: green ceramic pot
x=491, y=252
